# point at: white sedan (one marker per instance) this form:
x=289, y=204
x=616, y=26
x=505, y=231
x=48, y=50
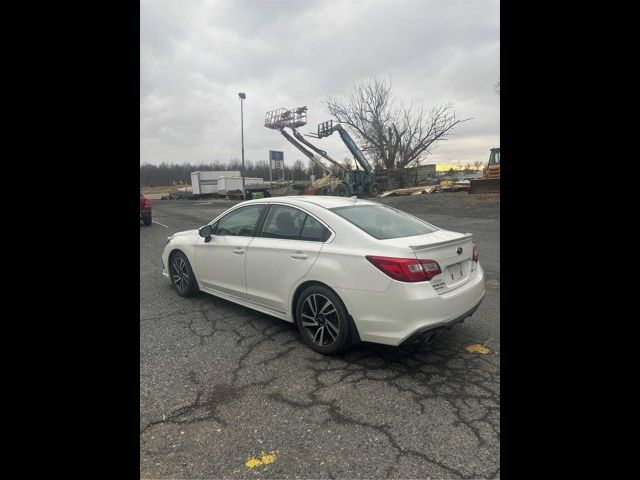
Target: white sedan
x=341, y=269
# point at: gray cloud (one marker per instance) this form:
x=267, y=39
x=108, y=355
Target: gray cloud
x=195, y=56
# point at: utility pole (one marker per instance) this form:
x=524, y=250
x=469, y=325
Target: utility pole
x=242, y=97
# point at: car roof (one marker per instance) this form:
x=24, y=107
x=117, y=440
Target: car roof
x=320, y=200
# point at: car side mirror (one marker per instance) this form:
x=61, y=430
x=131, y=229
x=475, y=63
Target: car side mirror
x=206, y=232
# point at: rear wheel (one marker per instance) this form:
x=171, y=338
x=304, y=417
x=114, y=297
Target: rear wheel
x=322, y=320
x=182, y=276
x=146, y=220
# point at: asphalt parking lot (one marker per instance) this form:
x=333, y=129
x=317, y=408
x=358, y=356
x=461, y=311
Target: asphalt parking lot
x=226, y=392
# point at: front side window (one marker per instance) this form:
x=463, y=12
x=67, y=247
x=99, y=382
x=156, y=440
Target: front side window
x=383, y=222
x=241, y=222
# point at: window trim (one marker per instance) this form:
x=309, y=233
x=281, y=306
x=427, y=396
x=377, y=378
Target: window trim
x=324, y=224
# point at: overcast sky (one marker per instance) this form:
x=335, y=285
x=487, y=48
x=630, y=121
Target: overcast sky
x=196, y=55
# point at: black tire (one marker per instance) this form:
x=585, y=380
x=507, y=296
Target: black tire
x=315, y=297
x=146, y=220
x=181, y=274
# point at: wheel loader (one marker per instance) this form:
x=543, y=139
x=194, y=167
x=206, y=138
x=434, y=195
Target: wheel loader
x=490, y=181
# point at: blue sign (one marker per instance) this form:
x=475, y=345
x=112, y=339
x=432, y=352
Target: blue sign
x=275, y=155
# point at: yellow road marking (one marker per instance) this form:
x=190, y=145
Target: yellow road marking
x=263, y=459
x=477, y=348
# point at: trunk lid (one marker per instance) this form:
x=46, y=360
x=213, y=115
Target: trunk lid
x=453, y=251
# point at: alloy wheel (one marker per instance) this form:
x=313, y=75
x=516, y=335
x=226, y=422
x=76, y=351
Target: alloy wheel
x=180, y=274
x=320, y=320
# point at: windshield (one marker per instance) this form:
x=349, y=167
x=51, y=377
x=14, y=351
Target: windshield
x=383, y=222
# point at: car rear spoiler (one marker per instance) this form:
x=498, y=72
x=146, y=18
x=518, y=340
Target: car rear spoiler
x=444, y=243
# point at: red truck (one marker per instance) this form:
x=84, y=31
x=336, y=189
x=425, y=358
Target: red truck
x=145, y=210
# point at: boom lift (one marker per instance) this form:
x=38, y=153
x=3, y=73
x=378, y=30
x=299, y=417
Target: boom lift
x=280, y=119
x=319, y=151
x=357, y=181
x=351, y=182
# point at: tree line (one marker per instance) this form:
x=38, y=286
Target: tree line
x=168, y=173
x=165, y=174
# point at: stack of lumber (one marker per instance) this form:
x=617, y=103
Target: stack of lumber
x=395, y=178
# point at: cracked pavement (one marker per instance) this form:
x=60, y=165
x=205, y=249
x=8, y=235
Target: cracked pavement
x=220, y=383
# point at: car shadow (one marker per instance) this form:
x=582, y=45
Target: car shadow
x=410, y=357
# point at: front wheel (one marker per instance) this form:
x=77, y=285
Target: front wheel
x=374, y=189
x=322, y=320
x=182, y=276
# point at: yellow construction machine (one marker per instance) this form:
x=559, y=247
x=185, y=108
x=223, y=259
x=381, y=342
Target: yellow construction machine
x=490, y=181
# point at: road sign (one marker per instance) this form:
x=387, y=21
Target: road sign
x=276, y=155
x=276, y=162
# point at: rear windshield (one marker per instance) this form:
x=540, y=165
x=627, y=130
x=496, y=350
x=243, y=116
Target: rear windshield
x=383, y=222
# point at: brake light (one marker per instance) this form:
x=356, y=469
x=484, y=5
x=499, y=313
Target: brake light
x=146, y=203
x=406, y=269
x=476, y=254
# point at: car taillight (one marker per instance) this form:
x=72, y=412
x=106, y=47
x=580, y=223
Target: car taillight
x=147, y=203
x=476, y=254
x=406, y=269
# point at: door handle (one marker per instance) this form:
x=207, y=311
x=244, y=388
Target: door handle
x=299, y=255
x=238, y=251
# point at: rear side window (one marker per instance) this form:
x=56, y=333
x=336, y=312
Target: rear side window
x=314, y=231
x=292, y=224
x=283, y=222
x=382, y=222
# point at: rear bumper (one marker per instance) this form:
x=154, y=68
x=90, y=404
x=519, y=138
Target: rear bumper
x=408, y=309
x=429, y=329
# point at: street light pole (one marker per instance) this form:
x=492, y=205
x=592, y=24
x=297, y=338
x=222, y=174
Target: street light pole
x=242, y=97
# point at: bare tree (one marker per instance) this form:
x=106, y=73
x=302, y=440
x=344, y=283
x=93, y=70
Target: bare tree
x=314, y=169
x=335, y=170
x=347, y=163
x=391, y=134
x=298, y=167
x=478, y=165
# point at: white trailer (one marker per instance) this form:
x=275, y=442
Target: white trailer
x=228, y=183
x=207, y=182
